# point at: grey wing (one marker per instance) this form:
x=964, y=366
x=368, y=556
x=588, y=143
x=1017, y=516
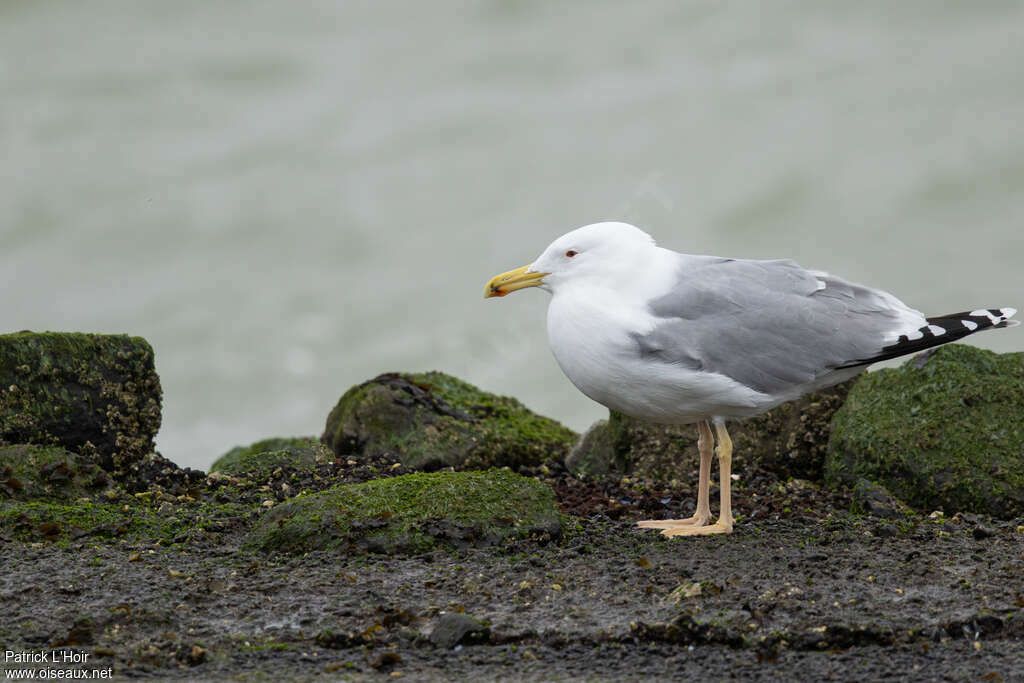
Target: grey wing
x=770, y=325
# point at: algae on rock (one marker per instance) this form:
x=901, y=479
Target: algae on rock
x=433, y=420
x=412, y=513
x=29, y=472
x=790, y=440
x=260, y=459
x=86, y=392
x=48, y=520
x=943, y=431
x=627, y=445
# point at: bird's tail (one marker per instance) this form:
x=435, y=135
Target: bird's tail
x=943, y=329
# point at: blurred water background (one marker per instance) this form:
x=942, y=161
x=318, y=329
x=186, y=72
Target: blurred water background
x=286, y=199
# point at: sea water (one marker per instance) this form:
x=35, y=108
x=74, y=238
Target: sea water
x=288, y=199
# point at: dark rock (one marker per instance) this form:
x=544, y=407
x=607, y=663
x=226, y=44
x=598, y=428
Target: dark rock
x=453, y=629
x=790, y=441
x=154, y=471
x=196, y=655
x=432, y=420
x=383, y=660
x=626, y=445
x=884, y=530
x=840, y=636
x=95, y=394
x=981, y=532
x=1014, y=625
x=80, y=633
x=339, y=640
x=873, y=499
x=975, y=627
x=684, y=629
x=598, y=452
x=946, y=433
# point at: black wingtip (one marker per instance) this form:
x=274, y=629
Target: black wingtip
x=943, y=329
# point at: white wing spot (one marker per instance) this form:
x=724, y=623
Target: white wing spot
x=915, y=335
x=970, y=324
x=936, y=330
x=984, y=313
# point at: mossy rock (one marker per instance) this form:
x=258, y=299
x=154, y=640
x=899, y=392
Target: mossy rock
x=791, y=440
x=141, y=521
x=433, y=420
x=91, y=393
x=32, y=521
x=412, y=513
x=625, y=445
x=869, y=498
x=29, y=472
x=260, y=459
x=943, y=431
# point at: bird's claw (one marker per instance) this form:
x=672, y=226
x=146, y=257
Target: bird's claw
x=696, y=520
x=718, y=527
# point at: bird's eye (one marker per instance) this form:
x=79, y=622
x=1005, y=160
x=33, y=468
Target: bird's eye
x=571, y=253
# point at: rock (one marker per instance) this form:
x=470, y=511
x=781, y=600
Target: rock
x=599, y=451
x=260, y=459
x=412, y=513
x=80, y=633
x=196, y=655
x=383, y=660
x=155, y=472
x=943, y=431
x=453, y=629
x=433, y=420
x=625, y=445
x=686, y=630
x=29, y=472
x=790, y=440
x=62, y=520
x=97, y=394
x=873, y=499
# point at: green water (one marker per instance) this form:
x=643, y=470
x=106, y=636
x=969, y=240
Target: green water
x=287, y=199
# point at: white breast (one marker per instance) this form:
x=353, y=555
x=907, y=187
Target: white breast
x=592, y=336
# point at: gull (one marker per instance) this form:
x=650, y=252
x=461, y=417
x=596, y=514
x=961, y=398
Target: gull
x=675, y=338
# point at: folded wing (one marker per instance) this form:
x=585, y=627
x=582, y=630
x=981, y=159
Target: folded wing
x=772, y=325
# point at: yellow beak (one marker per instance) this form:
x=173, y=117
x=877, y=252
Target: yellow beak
x=500, y=285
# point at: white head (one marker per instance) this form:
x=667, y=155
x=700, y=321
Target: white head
x=598, y=251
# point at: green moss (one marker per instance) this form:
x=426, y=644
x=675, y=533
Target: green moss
x=34, y=521
x=506, y=425
x=138, y=521
x=946, y=432
x=51, y=472
x=98, y=393
x=432, y=420
x=413, y=512
x=263, y=457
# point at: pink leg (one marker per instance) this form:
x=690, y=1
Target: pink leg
x=706, y=445
x=724, y=523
